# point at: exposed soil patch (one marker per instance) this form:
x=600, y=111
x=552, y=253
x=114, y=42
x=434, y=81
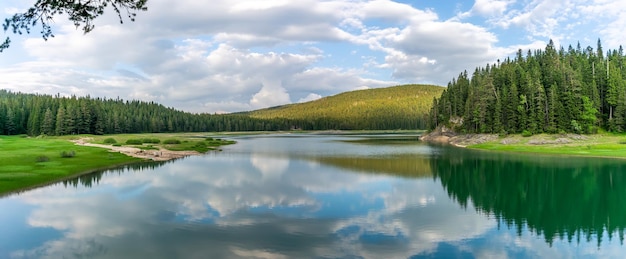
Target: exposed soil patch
x=156, y=155
x=443, y=135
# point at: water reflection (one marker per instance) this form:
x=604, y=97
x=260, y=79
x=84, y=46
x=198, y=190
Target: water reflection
x=88, y=180
x=575, y=199
x=338, y=199
x=399, y=165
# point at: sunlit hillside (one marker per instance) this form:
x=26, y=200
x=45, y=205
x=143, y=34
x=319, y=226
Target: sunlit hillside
x=398, y=107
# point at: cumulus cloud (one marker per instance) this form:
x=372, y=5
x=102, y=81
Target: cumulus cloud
x=421, y=55
x=219, y=56
x=270, y=95
x=487, y=8
x=310, y=97
x=197, y=59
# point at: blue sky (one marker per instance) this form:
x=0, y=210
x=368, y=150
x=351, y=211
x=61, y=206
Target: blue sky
x=228, y=56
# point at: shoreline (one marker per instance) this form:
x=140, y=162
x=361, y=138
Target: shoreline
x=26, y=172
x=154, y=155
x=444, y=135
x=601, y=145
x=68, y=177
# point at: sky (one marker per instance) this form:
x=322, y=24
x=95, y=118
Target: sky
x=222, y=56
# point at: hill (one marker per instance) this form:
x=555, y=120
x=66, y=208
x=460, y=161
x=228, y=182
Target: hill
x=397, y=107
x=401, y=107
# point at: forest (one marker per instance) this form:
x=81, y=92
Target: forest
x=35, y=114
x=555, y=90
x=397, y=107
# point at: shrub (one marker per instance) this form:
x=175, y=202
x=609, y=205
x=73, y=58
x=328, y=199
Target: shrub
x=149, y=147
x=110, y=141
x=526, y=133
x=117, y=145
x=577, y=128
x=200, y=144
x=151, y=140
x=171, y=141
x=42, y=159
x=134, y=142
x=68, y=154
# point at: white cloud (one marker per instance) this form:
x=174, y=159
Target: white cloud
x=612, y=14
x=310, y=97
x=215, y=56
x=490, y=7
x=487, y=8
x=466, y=46
x=272, y=94
x=194, y=58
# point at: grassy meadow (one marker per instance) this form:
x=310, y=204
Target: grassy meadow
x=29, y=162
x=596, y=145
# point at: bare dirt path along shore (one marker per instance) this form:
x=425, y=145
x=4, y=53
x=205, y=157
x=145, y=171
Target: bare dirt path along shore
x=156, y=155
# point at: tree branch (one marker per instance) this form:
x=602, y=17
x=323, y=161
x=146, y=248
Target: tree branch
x=80, y=12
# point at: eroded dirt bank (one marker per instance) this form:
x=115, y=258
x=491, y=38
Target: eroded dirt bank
x=444, y=135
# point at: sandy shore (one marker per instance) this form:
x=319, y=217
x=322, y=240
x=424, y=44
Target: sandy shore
x=156, y=155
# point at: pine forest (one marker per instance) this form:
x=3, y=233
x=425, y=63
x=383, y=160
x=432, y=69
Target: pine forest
x=35, y=114
x=554, y=90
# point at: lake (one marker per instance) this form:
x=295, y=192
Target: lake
x=328, y=196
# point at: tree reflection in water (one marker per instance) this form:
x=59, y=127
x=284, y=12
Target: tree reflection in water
x=91, y=179
x=569, y=198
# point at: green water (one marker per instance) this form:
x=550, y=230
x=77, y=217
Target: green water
x=324, y=196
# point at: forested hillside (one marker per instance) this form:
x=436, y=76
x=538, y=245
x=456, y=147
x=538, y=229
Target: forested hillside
x=398, y=107
x=551, y=90
x=33, y=114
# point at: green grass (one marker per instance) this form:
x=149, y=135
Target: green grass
x=182, y=141
x=23, y=165
x=21, y=168
x=202, y=145
x=598, y=145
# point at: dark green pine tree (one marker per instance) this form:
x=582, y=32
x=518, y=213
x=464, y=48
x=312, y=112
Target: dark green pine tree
x=10, y=125
x=48, y=124
x=60, y=128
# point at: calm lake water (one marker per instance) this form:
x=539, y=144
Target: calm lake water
x=317, y=196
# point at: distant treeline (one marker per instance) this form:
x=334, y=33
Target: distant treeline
x=53, y=115
x=552, y=90
x=35, y=114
